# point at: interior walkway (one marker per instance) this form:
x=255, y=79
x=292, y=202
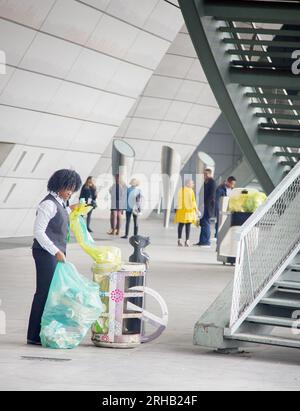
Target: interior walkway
x=189, y=280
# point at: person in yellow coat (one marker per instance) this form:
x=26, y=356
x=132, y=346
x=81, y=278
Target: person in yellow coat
x=186, y=213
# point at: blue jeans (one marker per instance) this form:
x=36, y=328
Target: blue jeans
x=205, y=231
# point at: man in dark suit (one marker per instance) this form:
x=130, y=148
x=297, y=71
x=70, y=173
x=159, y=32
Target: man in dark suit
x=209, y=208
x=224, y=190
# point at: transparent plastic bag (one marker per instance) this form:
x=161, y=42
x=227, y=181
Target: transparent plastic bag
x=110, y=258
x=73, y=305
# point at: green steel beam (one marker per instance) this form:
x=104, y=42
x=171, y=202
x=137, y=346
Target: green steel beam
x=272, y=96
x=288, y=163
x=255, y=11
x=287, y=154
x=278, y=116
x=257, y=53
x=274, y=106
x=263, y=78
x=193, y=13
x=279, y=138
x=273, y=43
x=243, y=30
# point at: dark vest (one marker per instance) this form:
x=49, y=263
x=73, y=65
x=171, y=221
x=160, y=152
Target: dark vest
x=58, y=227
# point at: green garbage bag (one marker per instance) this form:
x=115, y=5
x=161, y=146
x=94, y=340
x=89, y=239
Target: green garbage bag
x=73, y=305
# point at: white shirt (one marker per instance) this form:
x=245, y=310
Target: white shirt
x=45, y=212
x=229, y=191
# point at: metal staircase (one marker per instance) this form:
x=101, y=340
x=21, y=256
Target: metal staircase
x=246, y=49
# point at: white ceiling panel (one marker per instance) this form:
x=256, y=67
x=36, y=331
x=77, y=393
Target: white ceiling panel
x=165, y=21
x=73, y=100
x=81, y=162
x=203, y=116
x=99, y=4
x=183, y=45
x=49, y=55
x=190, y=134
x=28, y=222
x=72, y=20
x=152, y=108
x=113, y=37
x=175, y=66
x=164, y=87
x=53, y=131
x=16, y=131
x=14, y=41
x=93, y=138
x=29, y=12
x=129, y=80
x=190, y=91
x=12, y=193
x=142, y=129
x=147, y=50
x=93, y=69
x=166, y=131
x=111, y=109
x=10, y=221
x=178, y=111
x=29, y=90
x=136, y=12
x=207, y=97
x=5, y=78
x=121, y=132
x=196, y=72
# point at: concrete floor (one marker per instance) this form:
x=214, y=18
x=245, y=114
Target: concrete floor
x=189, y=280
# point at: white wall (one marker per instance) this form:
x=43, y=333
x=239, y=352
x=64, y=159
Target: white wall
x=75, y=69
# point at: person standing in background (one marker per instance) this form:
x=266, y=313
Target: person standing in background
x=134, y=199
x=89, y=195
x=209, y=208
x=51, y=229
x=118, y=194
x=186, y=213
x=224, y=190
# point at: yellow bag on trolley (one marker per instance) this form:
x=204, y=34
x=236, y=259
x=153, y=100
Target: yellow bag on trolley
x=246, y=202
x=108, y=259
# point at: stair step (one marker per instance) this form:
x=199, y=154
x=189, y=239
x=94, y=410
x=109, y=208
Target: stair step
x=268, y=320
x=281, y=302
x=266, y=339
x=290, y=285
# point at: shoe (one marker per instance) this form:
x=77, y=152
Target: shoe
x=117, y=232
x=187, y=244
x=89, y=230
x=29, y=342
x=180, y=243
x=197, y=245
x=125, y=237
x=111, y=232
x=205, y=246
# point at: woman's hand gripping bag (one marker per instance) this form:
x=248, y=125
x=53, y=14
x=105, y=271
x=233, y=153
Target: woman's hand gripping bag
x=73, y=305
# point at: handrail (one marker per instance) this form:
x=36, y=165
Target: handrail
x=267, y=243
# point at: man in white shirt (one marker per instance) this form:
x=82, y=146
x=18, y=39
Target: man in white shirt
x=51, y=231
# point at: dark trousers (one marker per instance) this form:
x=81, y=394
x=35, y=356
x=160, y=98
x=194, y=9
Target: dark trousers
x=115, y=219
x=205, y=234
x=129, y=214
x=45, y=267
x=187, y=230
x=89, y=219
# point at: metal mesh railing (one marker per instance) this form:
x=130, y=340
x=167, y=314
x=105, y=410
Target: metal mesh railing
x=268, y=242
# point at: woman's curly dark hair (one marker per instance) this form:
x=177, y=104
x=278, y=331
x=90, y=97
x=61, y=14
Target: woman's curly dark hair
x=64, y=180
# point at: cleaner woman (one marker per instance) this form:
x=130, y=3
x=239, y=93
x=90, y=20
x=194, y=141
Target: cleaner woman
x=51, y=230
